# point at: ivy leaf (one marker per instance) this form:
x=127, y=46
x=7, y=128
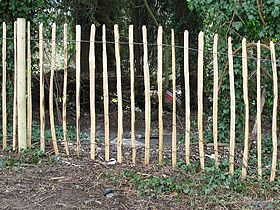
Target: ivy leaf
x=237, y=25
x=251, y=17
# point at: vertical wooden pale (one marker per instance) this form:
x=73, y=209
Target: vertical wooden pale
x=160, y=105
x=29, y=98
x=15, y=89
x=274, y=117
x=174, y=135
x=51, y=92
x=92, y=91
x=42, y=95
x=215, y=98
x=259, y=133
x=246, y=102
x=132, y=96
x=78, y=84
x=187, y=97
x=105, y=94
x=232, y=108
x=200, y=98
x=147, y=97
x=21, y=64
x=119, y=93
x=64, y=97
x=4, y=100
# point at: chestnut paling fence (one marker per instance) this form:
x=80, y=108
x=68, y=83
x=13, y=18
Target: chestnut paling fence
x=22, y=112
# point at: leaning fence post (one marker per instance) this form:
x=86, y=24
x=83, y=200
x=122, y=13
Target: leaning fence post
x=274, y=117
x=21, y=64
x=55, y=147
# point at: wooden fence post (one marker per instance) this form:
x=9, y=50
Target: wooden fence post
x=200, y=98
x=160, y=105
x=92, y=91
x=174, y=134
x=147, y=96
x=119, y=93
x=187, y=97
x=55, y=147
x=232, y=108
x=4, y=106
x=78, y=84
x=246, y=102
x=64, y=97
x=15, y=89
x=29, y=98
x=259, y=137
x=105, y=95
x=42, y=94
x=215, y=98
x=274, y=117
x=21, y=64
x=131, y=57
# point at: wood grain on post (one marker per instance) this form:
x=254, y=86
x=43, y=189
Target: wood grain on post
x=105, y=95
x=4, y=83
x=259, y=136
x=174, y=133
x=232, y=108
x=119, y=93
x=51, y=92
x=246, y=102
x=215, y=98
x=78, y=86
x=29, y=98
x=92, y=91
x=147, y=97
x=187, y=97
x=64, y=97
x=42, y=95
x=200, y=98
x=160, y=105
x=132, y=96
x=15, y=89
x=21, y=64
x=274, y=117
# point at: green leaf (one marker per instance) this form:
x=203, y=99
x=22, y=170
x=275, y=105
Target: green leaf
x=251, y=17
x=237, y=25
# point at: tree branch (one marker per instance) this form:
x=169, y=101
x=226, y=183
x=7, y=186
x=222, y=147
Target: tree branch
x=260, y=13
x=236, y=51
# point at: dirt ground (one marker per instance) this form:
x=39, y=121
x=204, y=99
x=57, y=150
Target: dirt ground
x=68, y=182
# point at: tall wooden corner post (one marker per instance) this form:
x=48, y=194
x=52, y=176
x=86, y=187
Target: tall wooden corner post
x=21, y=82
